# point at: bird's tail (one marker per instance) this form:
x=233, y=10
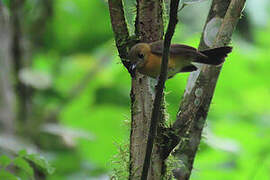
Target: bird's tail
x=215, y=56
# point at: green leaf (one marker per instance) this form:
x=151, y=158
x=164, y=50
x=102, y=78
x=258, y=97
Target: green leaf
x=22, y=153
x=5, y=160
x=24, y=165
x=6, y=2
x=40, y=162
x=5, y=175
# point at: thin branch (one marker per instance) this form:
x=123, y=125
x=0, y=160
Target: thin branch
x=183, y=120
x=119, y=26
x=7, y=104
x=160, y=87
x=199, y=92
x=229, y=23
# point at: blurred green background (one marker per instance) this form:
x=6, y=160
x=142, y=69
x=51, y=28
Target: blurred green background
x=81, y=104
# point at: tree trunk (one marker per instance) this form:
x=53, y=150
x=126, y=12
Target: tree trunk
x=149, y=27
x=6, y=90
x=22, y=93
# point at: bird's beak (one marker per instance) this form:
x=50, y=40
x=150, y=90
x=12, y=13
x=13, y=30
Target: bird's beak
x=133, y=67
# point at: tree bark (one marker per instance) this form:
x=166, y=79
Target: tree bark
x=6, y=90
x=149, y=28
x=160, y=88
x=201, y=85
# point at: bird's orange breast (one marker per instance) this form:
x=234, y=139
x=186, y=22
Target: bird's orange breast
x=153, y=65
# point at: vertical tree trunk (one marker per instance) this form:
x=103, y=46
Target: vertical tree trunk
x=22, y=93
x=149, y=27
x=6, y=90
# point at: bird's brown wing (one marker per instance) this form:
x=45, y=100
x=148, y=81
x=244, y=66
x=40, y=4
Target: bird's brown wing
x=177, y=50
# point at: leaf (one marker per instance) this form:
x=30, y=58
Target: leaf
x=22, y=153
x=24, y=165
x=40, y=162
x=5, y=160
x=5, y=175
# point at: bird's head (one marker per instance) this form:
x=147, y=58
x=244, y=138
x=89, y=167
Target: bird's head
x=138, y=55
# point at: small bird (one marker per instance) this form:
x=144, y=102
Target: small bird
x=147, y=57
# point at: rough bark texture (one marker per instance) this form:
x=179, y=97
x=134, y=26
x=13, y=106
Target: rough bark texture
x=160, y=87
x=6, y=90
x=149, y=28
x=119, y=26
x=201, y=85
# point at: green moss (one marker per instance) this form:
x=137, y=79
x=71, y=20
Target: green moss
x=120, y=162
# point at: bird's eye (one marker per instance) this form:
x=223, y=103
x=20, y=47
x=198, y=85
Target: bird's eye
x=140, y=55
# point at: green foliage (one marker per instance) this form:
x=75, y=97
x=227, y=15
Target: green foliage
x=172, y=164
x=75, y=28
x=6, y=2
x=7, y=175
x=40, y=162
x=23, y=164
x=120, y=163
x=5, y=161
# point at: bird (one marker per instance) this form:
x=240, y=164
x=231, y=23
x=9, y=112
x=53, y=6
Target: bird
x=147, y=58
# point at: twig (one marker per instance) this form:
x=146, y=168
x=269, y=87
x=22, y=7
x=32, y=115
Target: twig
x=160, y=86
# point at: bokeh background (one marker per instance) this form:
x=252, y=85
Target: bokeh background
x=78, y=106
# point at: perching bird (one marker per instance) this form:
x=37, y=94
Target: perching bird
x=147, y=57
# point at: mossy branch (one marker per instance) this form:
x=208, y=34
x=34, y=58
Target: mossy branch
x=122, y=39
x=149, y=28
x=160, y=87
